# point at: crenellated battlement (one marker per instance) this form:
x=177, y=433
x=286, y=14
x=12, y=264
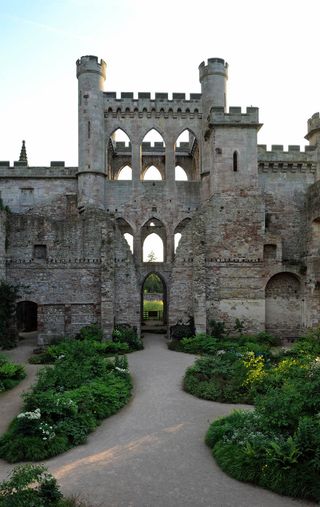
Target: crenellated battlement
x=144, y=105
x=280, y=160
x=234, y=116
x=56, y=170
x=91, y=64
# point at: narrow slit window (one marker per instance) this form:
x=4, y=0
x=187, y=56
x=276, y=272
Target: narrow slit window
x=235, y=161
x=89, y=129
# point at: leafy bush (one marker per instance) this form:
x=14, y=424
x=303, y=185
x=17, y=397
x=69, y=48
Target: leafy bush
x=182, y=330
x=92, y=333
x=199, y=344
x=30, y=485
x=224, y=377
x=8, y=297
x=124, y=333
x=277, y=445
x=217, y=329
x=33, y=486
x=67, y=402
x=10, y=374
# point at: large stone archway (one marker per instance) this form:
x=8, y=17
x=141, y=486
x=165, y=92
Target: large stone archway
x=283, y=305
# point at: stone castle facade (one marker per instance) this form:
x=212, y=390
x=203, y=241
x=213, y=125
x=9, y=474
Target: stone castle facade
x=249, y=218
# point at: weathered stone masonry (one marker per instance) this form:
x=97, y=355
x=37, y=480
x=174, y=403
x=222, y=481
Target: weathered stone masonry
x=249, y=218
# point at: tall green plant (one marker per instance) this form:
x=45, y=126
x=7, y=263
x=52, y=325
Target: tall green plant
x=8, y=297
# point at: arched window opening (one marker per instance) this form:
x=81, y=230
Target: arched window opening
x=315, y=238
x=180, y=174
x=179, y=231
x=118, y=155
x=152, y=174
x=177, y=238
x=125, y=173
x=126, y=230
x=235, y=161
x=154, y=138
x=283, y=305
x=153, y=295
x=187, y=156
x=153, y=249
x=27, y=316
x=129, y=239
x=152, y=156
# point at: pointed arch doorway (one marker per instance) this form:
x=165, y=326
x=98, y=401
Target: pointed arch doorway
x=153, y=302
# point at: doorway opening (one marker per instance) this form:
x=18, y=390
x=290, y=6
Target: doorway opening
x=154, y=302
x=27, y=316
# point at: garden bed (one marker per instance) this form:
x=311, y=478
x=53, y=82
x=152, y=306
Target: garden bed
x=68, y=401
x=277, y=445
x=10, y=374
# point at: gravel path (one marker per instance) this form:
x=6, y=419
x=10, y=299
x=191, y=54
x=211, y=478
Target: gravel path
x=152, y=453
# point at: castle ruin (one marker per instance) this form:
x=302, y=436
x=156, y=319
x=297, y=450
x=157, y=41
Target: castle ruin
x=249, y=218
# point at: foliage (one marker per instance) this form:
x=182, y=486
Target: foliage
x=55, y=352
x=217, y=329
x=30, y=485
x=182, y=330
x=33, y=486
x=10, y=374
x=67, y=402
x=153, y=284
x=8, y=297
x=124, y=333
x=277, y=445
x=199, y=344
x=92, y=333
x=156, y=306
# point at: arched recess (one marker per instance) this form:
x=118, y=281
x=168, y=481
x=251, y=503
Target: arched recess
x=153, y=300
x=153, y=241
x=118, y=153
x=187, y=154
x=152, y=156
x=180, y=174
x=283, y=305
x=178, y=232
x=125, y=173
x=27, y=316
x=126, y=231
x=151, y=173
x=315, y=238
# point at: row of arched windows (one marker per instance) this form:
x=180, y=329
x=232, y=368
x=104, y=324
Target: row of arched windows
x=156, y=244
x=151, y=157
x=151, y=173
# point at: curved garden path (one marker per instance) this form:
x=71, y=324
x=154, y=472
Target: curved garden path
x=152, y=453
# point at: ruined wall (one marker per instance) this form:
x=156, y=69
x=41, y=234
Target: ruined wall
x=23, y=188
x=284, y=178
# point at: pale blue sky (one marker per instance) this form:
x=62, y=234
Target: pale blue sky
x=271, y=48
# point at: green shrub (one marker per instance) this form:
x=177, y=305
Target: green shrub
x=92, y=333
x=67, y=402
x=10, y=374
x=277, y=445
x=123, y=333
x=199, y=344
x=8, y=297
x=28, y=486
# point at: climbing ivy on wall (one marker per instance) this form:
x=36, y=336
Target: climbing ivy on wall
x=8, y=297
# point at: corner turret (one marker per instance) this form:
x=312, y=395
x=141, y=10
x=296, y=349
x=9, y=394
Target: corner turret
x=213, y=78
x=313, y=135
x=91, y=75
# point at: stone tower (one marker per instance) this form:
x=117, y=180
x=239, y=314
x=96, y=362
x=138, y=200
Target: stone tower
x=91, y=75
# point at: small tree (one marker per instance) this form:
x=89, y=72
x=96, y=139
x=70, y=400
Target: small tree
x=8, y=297
x=151, y=257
